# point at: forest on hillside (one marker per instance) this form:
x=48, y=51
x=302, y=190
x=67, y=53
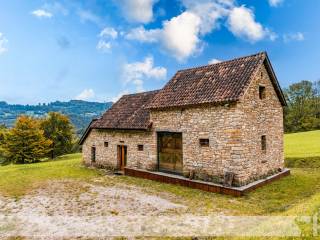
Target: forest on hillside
x=79, y=112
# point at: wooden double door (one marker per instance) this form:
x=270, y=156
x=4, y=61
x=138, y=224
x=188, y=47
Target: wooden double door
x=170, y=152
x=122, y=157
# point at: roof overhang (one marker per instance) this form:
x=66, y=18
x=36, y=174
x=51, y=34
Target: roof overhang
x=89, y=128
x=275, y=81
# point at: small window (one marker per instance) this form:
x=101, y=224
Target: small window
x=263, y=143
x=204, y=142
x=106, y=144
x=93, y=154
x=262, y=92
x=140, y=147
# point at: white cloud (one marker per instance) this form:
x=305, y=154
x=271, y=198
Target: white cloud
x=209, y=11
x=109, y=32
x=87, y=16
x=140, y=11
x=107, y=35
x=3, y=43
x=181, y=35
x=41, y=13
x=214, y=61
x=142, y=35
x=241, y=23
x=275, y=3
x=135, y=73
x=56, y=8
x=85, y=95
x=298, y=36
x=104, y=46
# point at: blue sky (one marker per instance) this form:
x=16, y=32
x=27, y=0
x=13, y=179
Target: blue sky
x=97, y=50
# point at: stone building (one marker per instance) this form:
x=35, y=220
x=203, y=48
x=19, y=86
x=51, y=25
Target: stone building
x=205, y=123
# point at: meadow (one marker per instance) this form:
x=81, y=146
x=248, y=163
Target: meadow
x=295, y=195
x=302, y=150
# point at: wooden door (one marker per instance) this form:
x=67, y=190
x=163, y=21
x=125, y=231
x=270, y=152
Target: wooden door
x=170, y=152
x=122, y=157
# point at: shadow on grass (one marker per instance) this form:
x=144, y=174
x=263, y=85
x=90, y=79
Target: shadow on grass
x=70, y=156
x=307, y=162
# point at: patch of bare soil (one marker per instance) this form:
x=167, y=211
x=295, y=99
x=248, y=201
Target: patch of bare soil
x=33, y=214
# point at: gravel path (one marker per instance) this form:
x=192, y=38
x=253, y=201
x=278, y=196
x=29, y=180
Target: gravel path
x=70, y=208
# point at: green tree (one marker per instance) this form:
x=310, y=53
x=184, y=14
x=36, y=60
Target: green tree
x=25, y=142
x=58, y=128
x=302, y=113
x=3, y=131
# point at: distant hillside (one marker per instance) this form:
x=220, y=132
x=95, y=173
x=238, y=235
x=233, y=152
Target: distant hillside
x=80, y=112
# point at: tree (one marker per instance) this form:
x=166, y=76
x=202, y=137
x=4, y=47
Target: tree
x=3, y=131
x=303, y=111
x=59, y=130
x=25, y=142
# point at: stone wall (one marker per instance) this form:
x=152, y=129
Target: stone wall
x=261, y=117
x=220, y=124
x=107, y=156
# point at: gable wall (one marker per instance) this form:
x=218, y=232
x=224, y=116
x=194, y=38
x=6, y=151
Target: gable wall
x=261, y=117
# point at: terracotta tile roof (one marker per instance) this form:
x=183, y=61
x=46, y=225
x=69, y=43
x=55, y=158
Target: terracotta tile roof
x=127, y=113
x=216, y=83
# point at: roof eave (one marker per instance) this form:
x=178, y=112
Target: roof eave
x=121, y=129
x=88, y=130
x=276, y=82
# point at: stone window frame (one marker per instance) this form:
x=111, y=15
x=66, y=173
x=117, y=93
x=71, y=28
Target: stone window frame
x=264, y=143
x=93, y=153
x=140, y=147
x=106, y=144
x=262, y=92
x=204, y=142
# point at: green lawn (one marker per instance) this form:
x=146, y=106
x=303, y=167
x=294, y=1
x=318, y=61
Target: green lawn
x=16, y=180
x=305, y=144
x=303, y=149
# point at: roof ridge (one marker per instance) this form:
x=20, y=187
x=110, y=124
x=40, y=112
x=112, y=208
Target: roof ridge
x=140, y=93
x=226, y=61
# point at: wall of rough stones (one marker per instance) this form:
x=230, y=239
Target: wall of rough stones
x=261, y=117
x=107, y=156
x=220, y=124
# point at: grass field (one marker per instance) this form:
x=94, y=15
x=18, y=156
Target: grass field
x=304, y=145
x=303, y=149
x=16, y=180
x=296, y=195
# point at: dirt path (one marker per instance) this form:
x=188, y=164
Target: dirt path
x=63, y=208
